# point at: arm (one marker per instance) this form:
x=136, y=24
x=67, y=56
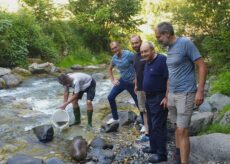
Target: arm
x=113, y=80
x=135, y=84
x=72, y=98
x=66, y=94
x=164, y=102
x=202, y=72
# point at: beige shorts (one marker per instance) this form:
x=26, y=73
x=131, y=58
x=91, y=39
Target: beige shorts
x=141, y=98
x=180, y=107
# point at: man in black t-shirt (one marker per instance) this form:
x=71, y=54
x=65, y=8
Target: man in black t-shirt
x=139, y=65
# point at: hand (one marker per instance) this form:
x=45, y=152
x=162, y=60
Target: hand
x=199, y=98
x=63, y=106
x=115, y=82
x=164, y=102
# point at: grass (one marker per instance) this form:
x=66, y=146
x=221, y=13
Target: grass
x=216, y=127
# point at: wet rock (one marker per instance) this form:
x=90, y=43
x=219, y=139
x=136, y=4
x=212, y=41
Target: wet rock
x=77, y=67
x=125, y=117
x=2, y=83
x=100, y=143
x=4, y=71
x=89, y=67
x=44, y=133
x=79, y=148
x=218, y=101
x=110, y=128
x=205, y=107
x=21, y=71
x=11, y=80
x=212, y=147
x=102, y=156
x=226, y=119
x=42, y=68
x=126, y=153
x=23, y=159
x=98, y=76
x=199, y=121
x=54, y=161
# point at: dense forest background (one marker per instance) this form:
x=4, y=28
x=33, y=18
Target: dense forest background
x=80, y=31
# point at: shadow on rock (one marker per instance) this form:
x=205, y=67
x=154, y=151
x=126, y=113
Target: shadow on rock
x=78, y=149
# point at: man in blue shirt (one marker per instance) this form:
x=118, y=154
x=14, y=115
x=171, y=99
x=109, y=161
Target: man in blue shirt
x=155, y=87
x=123, y=60
x=183, y=93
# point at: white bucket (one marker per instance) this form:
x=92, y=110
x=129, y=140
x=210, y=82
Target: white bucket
x=60, y=119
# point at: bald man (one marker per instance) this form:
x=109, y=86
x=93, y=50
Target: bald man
x=155, y=88
x=123, y=60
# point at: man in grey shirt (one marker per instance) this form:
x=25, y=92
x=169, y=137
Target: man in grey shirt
x=81, y=83
x=182, y=56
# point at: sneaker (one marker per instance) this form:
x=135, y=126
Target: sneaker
x=111, y=120
x=143, y=138
x=142, y=129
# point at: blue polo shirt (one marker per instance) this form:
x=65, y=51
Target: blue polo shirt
x=125, y=65
x=155, y=75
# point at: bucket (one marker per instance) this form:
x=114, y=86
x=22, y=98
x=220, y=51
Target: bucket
x=60, y=119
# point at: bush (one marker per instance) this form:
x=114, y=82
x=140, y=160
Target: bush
x=216, y=128
x=222, y=84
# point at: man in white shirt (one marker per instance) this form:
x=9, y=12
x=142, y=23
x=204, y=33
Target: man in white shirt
x=81, y=83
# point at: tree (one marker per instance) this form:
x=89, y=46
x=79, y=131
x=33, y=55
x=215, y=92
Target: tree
x=101, y=21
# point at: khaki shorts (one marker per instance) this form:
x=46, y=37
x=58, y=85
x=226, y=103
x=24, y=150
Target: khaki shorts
x=141, y=98
x=180, y=107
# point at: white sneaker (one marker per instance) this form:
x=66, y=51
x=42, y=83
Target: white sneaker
x=142, y=129
x=111, y=120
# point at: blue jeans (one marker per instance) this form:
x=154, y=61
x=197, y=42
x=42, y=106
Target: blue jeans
x=157, y=122
x=116, y=90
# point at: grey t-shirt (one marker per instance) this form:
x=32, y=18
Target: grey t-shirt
x=81, y=81
x=180, y=60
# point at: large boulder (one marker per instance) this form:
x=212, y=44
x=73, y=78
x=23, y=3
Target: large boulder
x=205, y=107
x=125, y=117
x=21, y=71
x=218, y=101
x=44, y=133
x=4, y=71
x=42, y=68
x=199, y=121
x=78, y=149
x=11, y=80
x=226, y=119
x=212, y=147
x=23, y=159
x=100, y=143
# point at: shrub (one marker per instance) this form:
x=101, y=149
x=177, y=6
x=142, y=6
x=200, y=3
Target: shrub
x=222, y=84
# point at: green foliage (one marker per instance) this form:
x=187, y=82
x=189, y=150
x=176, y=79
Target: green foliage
x=216, y=128
x=222, y=84
x=99, y=20
x=225, y=109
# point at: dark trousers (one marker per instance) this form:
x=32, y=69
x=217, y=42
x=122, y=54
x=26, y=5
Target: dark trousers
x=157, y=122
x=116, y=90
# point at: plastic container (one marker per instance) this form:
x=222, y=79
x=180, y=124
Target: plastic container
x=60, y=119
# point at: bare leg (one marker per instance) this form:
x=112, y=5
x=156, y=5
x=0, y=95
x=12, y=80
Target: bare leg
x=184, y=144
x=146, y=122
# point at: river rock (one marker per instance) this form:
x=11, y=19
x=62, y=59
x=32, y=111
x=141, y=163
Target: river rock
x=21, y=71
x=199, y=121
x=106, y=128
x=126, y=153
x=79, y=148
x=11, y=80
x=211, y=147
x=42, y=68
x=226, y=119
x=23, y=159
x=205, y=107
x=4, y=71
x=102, y=156
x=2, y=83
x=44, y=133
x=100, y=143
x=218, y=101
x=125, y=117
x=54, y=161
